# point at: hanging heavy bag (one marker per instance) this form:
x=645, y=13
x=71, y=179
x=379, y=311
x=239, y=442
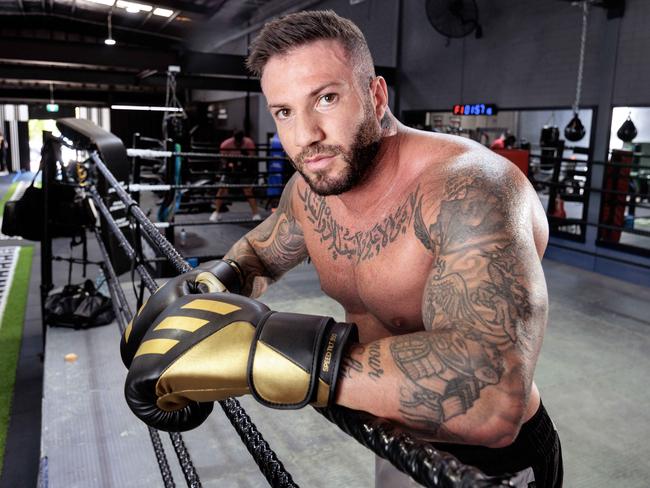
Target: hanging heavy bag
x=549, y=136
x=574, y=131
x=79, y=307
x=627, y=131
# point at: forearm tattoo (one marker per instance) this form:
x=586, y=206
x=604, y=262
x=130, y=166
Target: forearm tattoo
x=350, y=364
x=374, y=361
x=271, y=249
x=361, y=245
x=475, y=305
x=284, y=247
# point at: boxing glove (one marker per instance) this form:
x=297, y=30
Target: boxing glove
x=205, y=348
x=213, y=276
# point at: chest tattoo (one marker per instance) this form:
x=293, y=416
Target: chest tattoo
x=360, y=245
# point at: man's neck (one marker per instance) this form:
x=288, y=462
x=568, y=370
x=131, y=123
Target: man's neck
x=383, y=176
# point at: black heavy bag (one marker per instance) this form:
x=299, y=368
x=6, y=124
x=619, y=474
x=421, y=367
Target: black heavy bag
x=550, y=136
x=574, y=131
x=627, y=131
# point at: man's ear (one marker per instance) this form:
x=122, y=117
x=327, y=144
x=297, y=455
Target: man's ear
x=379, y=92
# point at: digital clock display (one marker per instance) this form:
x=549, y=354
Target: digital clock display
x=475, y=109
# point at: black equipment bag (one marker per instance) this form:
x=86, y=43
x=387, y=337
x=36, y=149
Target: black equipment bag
x=68, y=214
x=79, y=307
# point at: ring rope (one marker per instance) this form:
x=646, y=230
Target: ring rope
x=155, y=153
x=189, y=471
x=122, y=309
x=417, y=458
x=135, y=187
x=270, y=466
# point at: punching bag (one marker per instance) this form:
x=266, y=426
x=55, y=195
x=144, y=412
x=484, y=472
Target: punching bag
x=574, y=131
x=627, y=131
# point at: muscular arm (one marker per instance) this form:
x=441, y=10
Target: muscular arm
x=272, y=248
x=467, y=378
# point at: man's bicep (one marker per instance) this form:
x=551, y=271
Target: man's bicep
x=484, y=304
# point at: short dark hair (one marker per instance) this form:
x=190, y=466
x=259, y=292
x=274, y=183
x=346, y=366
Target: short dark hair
x=288, y=32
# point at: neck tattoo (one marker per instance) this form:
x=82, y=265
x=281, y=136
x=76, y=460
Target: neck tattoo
x=360, y=245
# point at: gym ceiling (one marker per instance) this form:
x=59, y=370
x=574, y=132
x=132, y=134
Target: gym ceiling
x=61, y=44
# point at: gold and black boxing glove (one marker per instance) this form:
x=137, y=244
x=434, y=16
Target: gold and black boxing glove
x=222, y=275
x=205, y=348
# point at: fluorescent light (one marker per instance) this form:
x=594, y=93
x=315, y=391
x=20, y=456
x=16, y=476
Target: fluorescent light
x=163, y=12
x=133, y=7
x=110, y=3
x=146, y=107
x=109, y=42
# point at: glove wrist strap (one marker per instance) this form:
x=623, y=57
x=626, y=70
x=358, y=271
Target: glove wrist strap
x=294, y=359
x=227, y=272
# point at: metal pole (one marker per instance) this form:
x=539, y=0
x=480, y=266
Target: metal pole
x=48, y=160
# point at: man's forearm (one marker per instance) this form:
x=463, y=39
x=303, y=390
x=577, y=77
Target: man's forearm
x=270, y=249
x=402, y=379
x=256, y=278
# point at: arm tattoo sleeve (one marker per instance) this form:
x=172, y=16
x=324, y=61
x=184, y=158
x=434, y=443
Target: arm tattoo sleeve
x=272, y=248
x=475, y=305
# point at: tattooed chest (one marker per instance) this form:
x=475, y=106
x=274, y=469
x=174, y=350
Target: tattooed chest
x=343, y=242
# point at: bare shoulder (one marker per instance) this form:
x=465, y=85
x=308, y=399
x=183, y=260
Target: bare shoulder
x=466, y=182
x=289, y=198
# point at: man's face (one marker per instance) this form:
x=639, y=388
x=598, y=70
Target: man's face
x=325, y=116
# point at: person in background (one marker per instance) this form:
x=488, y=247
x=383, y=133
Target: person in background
x=238, y=171
x=3, y=153
x=504, y=141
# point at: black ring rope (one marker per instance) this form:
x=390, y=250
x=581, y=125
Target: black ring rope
x=417, y=458
x=266, y=459
x=122, y=309
x=189, y=471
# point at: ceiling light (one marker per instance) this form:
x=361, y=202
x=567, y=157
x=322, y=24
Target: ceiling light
x=146, y=107
x=163, y=12
x=109, y=41
x=110, y=3
x=133, y=7
x=52, y=107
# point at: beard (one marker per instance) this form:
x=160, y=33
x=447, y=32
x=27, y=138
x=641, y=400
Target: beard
x=359, y=159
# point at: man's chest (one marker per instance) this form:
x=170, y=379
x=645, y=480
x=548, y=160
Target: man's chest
x=375, y=267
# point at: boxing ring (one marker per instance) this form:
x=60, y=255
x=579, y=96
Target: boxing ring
x=121, y=226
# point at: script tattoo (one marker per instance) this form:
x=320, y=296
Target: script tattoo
x=361, y=245
x=475, y=304
x=350, y=364
x=374, y=361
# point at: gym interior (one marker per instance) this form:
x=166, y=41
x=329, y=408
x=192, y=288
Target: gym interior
x=134, y=107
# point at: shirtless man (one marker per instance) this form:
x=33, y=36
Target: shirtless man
x=431, y=243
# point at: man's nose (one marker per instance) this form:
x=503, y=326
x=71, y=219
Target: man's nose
x=307, y=131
